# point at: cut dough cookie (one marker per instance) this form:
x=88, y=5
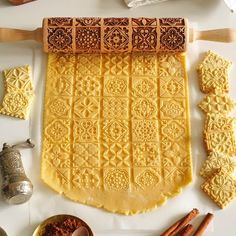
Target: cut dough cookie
x=219, y=134
x=212, y=60
x=213, y=73
x=18, y=92
x=221, y=188
x=221, y=141
x=218, y=131
x=217, y=103
x=215, y=123
x=215, y=161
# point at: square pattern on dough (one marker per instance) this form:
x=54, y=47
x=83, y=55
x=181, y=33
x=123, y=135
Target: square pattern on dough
x=126, y=120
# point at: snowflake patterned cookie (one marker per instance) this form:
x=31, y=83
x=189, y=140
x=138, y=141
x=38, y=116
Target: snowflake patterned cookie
x=213, y=73
x=215, y=161
x=221, y=188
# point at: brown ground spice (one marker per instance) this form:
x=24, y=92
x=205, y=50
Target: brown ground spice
x=62, y=228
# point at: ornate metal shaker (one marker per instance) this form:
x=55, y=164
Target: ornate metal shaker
x=16, y=187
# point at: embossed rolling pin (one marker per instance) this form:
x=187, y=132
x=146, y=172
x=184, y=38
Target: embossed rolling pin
x=102, y=35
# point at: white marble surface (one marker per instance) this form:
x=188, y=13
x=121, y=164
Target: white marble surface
x=21, y=220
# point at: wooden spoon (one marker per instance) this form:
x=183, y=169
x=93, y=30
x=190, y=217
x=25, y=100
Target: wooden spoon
x=81, y=231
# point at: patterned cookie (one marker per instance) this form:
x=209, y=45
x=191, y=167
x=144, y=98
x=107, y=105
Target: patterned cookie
x=215, y=123
x=219, y=134
x=213, y=60
x=221, y=141
x=217, y=103
x=213, y=73
x=215, y=161
x=221, y=188
x=18, y=92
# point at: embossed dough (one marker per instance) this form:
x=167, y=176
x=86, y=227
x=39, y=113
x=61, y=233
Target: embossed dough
x=221, y=188
x=18, y=92
x=216, y=161
x=116, y=129
x=213, y=73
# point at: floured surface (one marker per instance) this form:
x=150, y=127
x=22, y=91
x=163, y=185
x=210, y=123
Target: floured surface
x=116, y=129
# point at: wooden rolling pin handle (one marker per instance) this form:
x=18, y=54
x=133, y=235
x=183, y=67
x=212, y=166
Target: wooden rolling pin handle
x=226, y=35
x=12, y=35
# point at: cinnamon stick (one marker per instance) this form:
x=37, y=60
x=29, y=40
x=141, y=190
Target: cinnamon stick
x=187, y=230
x=172, y=228
x=202, y=227
x=180, y=224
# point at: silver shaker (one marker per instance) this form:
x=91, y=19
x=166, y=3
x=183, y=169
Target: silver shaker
x=16, y=187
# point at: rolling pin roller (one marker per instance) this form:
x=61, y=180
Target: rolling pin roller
x=104, y=35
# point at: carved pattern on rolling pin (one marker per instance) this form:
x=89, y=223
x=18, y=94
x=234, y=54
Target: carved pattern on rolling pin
x=85, y=35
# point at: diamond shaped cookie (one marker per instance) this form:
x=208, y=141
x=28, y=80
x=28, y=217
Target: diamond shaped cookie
x=217, y=103
x=221, y=188
x=216, y=161
x=223, y=142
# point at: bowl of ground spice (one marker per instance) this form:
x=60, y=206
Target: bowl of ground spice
x=60, y=225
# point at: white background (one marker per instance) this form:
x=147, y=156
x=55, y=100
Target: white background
x=21, y=220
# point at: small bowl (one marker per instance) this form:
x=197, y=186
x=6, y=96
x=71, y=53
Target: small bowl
x=2, y=232
x=59, y=218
